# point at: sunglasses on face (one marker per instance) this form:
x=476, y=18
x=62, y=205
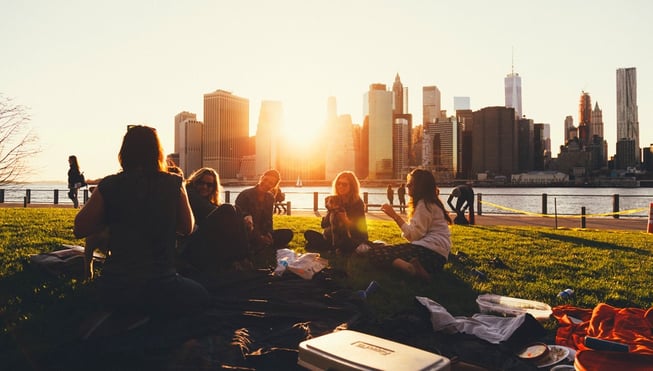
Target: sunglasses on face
x=207, y=184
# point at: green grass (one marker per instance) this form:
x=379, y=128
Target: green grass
x=613, y=267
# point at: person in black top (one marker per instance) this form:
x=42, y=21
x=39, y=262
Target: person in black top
x=75, y=180
x=464, y=195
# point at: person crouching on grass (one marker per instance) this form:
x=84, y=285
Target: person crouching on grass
x=427, y=231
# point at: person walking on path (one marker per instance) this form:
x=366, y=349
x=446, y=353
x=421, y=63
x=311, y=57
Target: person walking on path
x=401, y=194
x=464, y=195
x=75, y=180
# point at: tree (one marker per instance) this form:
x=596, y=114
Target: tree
x=17, y=141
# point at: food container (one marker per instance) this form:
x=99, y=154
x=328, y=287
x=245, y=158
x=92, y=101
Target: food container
x=352, y=350
x=508, y=306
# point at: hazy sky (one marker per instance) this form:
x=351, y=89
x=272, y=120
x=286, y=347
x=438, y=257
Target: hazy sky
x=86, y=69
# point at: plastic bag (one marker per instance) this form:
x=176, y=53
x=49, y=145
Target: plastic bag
x=304, y=265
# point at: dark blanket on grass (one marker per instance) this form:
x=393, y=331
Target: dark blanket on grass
x=256, y=322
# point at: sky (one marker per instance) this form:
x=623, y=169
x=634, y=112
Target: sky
x=85, y=69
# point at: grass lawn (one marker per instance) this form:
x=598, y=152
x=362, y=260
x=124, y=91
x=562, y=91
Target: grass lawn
x=613, y=267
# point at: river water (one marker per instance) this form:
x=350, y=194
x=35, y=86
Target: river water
x=633, y=202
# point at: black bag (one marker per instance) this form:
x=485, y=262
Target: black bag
x=82, y=180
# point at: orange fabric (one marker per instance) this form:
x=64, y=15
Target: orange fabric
x=630, y=326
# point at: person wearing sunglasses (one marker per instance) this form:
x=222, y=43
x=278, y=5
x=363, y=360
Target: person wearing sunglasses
x=346, y=187
x=220, y=239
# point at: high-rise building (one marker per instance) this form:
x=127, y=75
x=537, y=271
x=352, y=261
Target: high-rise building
x=268, y=129
x=570, y=130
x=494, y=141
x=402, y=157
x=596, y=122
x=190, y=145
x=226, y=132
x=339, y=136
x=378, y=109
x=627, y=121
x=179, y=118
x=584, y=118
x=512, y=83
x=440, y=148
x=525, y=144
x=461, y=103
x=431, y=104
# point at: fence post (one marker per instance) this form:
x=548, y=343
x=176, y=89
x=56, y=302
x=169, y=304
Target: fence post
x=544, y=203
x=479, y=206
x=365, y=198
x=85, y=196
x=56, y=196
x=2, y=196
x=314, y=201
x=25, y=201
x=227, y=197
x=28, y=196
x=582, y=217
x=288, y=208
x=615, y=205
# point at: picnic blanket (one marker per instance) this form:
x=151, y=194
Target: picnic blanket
x=630, y=326
x=255, y=321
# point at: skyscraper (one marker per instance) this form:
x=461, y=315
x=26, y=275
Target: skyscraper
x=339, y=142
x=584, y=118
x=179, y=118
x=627, y=121
x=431, y=104
x=378, y=109
x=226, y=131
x=494, y=142
x=513, y=93
x=188, y=137
x=268, y=130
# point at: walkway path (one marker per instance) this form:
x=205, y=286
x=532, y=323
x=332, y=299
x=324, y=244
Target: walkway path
x=606, y=223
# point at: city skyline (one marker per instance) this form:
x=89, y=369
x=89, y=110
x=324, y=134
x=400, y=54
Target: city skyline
x=87, y=69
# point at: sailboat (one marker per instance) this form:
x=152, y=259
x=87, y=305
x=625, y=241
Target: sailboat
x=299, y=182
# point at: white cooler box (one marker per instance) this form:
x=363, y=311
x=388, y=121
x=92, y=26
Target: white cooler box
x=351, y=350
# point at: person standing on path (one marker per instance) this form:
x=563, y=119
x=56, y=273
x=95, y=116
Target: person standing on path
x=391, y=194
x=401, y=194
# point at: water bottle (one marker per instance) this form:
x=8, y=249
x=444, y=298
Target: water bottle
x=566, y=294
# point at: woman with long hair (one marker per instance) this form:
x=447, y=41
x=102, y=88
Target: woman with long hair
x=75, y=180
x=427, y=231
x=220, y=240
x=143, y=207
x=351, y=229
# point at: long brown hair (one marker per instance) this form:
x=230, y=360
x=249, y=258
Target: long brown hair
x=354, y=186
x=424, y=188
x=141, y=150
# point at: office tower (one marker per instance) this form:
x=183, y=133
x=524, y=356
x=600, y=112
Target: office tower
x=431, y=104
x=512, y=83
x=584, y=118
x=570, y=129
x=378, y=110
x=401, y=117
x=339, y=153
x=440, y=148
x=494, y=141
x=179, y=118
x=188, y=135
x=596, y=122
x=461, y=103
x=268, y=133
x=525, y=144
x=226, y=131
x=627, y=121
x=538, y=147
x=399, y=97
x=464, y=119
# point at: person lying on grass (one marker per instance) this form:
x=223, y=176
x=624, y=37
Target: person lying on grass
x=427, y=231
